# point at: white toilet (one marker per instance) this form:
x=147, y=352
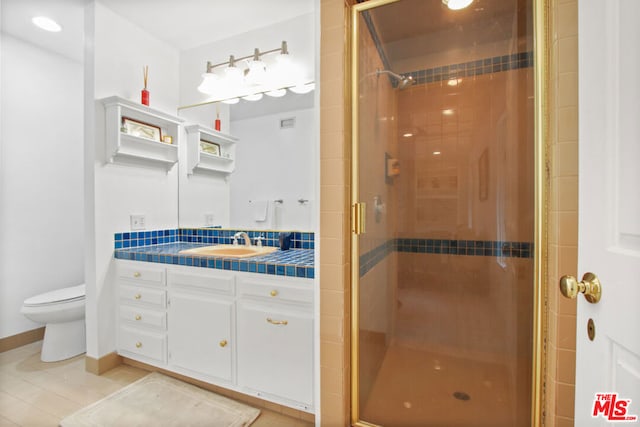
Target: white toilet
x=63, y=312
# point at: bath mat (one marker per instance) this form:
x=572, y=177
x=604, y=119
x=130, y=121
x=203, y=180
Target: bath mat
x=159, y=400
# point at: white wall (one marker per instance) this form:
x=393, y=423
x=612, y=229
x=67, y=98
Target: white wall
x=271, y=164
x=120, y=50
x=41, y=169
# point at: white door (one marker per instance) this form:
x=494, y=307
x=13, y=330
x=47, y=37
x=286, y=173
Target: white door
x=608, y=368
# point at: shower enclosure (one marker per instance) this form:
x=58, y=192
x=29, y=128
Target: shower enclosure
x=444, y=208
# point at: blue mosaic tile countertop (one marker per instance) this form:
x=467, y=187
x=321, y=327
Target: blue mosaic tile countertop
x=292, y=263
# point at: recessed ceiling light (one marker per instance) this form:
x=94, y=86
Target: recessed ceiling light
x=457, y=4
x=447, y=112
x=46, y=24
x=407, y=135
x=436, y=153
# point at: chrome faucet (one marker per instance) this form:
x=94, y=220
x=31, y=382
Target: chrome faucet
x=244, y=235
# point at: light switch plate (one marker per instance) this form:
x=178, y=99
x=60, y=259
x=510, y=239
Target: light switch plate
x=137, y=222
x=208, y=219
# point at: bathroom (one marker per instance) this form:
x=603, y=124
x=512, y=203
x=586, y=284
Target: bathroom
x=80, y=245
x=109, y=191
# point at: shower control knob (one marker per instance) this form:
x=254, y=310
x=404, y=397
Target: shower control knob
x=589, y=286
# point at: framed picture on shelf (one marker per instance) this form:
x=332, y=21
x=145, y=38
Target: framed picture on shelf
x=210, y=147
x=142, y=130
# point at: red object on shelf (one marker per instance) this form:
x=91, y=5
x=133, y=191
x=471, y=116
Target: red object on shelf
x=217, y=125
x=145, y=97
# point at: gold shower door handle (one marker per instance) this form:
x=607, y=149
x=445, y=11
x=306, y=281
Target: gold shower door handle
x=590, y=286
x=358, y=218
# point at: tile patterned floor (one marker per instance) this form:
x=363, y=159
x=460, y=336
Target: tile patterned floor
x=33, y=393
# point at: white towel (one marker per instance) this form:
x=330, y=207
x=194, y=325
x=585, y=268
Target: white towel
x=259, y=209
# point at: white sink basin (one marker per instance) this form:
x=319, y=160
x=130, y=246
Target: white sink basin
x=231, y=251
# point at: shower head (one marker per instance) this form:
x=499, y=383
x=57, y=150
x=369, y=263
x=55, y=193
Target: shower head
x=403, y=81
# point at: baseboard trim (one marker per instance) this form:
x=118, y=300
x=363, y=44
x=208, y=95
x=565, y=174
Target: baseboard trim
x=103, y=364
x=18, y=340
x=251, y=400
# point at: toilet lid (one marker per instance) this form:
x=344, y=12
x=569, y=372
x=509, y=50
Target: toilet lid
x=59, y=295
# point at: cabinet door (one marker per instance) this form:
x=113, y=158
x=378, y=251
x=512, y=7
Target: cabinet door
x=275, y=351
x=200, y=335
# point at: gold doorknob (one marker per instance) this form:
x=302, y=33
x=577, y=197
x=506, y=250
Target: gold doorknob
x=223, y=343
x=273, y=293
x=590, y=286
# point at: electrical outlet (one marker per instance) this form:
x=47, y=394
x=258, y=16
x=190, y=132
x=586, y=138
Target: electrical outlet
x=137, y=222
x=208, y=219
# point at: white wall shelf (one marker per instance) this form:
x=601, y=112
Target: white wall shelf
x=127, y=148
x=200, y=161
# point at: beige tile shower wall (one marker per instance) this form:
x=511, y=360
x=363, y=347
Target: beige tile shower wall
x=483, y=130
x=334, y=215
x=377, y=133
x=563, y=211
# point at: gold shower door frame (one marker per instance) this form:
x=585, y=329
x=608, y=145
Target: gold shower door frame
x=541, y=40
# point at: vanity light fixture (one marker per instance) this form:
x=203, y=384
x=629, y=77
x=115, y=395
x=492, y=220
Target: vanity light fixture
x=258, y=77
x=276, y=93
x=46, y=24
x=253, y=97
x=457, y=4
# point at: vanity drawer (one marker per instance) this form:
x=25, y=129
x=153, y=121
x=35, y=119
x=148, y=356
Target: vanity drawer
x=140, y=316
x=275, y=291
x=141, y=273
x=141, y=295
x=143, y=343
x=222, y=282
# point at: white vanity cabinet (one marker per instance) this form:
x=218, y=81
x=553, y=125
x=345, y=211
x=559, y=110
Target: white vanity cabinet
x=248, y=332
x=142, y=317
x=202, y=317
x=275, y=338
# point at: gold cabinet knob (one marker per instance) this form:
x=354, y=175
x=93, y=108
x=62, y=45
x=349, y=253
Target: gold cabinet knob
x=223, y=343
x=138, y=344
x=590, y=286
x=277, y=322
x=137, y=296
x=273, y=293
x=136, y=274
x=138, y=317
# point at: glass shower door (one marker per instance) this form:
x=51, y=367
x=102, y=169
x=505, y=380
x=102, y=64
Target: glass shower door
x=443, y=192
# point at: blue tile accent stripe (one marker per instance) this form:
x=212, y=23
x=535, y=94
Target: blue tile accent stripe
x=466, y=247
x=371, y=258
x=209, y=236
x=478, y=67
x=445, y=246
x=134, y=239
